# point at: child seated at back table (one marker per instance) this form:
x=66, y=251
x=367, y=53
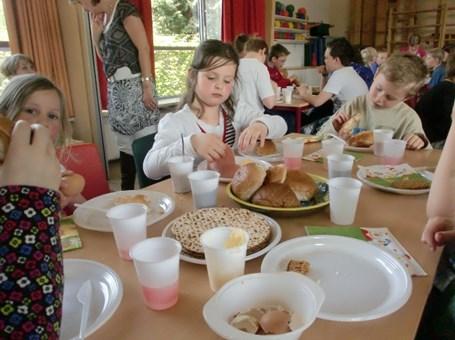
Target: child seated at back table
x=383, y=106
x=208, y=120
x=276, y=60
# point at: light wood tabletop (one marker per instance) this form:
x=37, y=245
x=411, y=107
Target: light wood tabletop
x=403, y=215
x=298, y=106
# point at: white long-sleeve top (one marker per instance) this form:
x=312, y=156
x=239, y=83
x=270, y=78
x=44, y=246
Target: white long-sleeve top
x=184, y=122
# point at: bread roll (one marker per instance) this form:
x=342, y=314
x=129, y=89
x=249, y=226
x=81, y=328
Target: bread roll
x=362, y=139
x=302, y=184
x=269, y=148
x=74, y=184
x=276, y=195
x=276, y=174
x=5, y=136
x=346, y=129
x=247, y=180
x=225, y=165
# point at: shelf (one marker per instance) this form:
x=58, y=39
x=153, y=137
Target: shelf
x=291, y=30
x=289, y=41
x=283, y=18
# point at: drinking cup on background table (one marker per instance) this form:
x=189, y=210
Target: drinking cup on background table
x=340, y=165
x=157, y=262
x=343, y=195
x=129, y=224
x=277, y=93
x=225, y=252
x=288, y=94
x=179, y=168
x=380, y=136
x=293, y=152
x=393, y=151
x=204, y=186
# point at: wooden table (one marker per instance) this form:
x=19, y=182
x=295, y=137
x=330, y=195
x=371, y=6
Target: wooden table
x=403, y=215
x=299, y=106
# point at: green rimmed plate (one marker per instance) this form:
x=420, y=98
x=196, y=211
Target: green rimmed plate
x=320, y=200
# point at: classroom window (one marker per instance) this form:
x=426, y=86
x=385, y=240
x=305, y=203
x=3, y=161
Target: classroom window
x=177, y=30
x=4, y=40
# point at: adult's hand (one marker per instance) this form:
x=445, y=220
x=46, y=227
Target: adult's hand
x=148, y=98
x=31, y=158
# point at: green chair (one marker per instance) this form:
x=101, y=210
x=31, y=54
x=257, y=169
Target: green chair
x=140, y=148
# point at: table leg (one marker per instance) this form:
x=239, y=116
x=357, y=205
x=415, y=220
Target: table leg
x=298, y=119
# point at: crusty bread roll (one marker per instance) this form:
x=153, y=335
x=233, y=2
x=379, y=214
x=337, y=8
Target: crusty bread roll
x=276, y=174
x=269, y=148
x=75, y=183
x=5, y=135
x=346, y=129
x=362, y=139
x=276, y=195
x=247, y=180
x=225, y=165
x=302, y=184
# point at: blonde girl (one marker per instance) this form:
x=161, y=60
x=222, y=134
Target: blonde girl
x=207, y=121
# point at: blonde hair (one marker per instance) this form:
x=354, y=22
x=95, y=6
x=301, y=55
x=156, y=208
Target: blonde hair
x=20, y=88
x=405, y=70
x=10, y=64
x=437, y=53
x=369, y=55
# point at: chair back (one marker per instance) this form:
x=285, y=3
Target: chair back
x=84, y=159
x=140, y=148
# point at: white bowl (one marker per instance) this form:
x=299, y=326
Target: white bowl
x=295, y=292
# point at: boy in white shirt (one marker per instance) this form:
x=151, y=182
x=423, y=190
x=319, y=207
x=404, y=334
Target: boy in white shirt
x=254, y=86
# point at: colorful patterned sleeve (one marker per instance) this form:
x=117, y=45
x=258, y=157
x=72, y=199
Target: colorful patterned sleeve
x=31, y=263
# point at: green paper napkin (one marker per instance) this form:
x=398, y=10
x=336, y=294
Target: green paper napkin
x=349, y=231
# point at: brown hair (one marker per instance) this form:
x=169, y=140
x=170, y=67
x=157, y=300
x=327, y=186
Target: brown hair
x=20, y=88
x=277, y=51
x=240, y=42
x=10, y=64
x=404, y=70
x=414, y=39
x=255, y=45
x=209, y=55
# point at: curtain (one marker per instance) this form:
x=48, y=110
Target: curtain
x=34, y=30
x=144, y=8
x=240, y=16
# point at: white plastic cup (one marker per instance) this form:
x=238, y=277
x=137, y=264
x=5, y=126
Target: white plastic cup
x=157, y=263
x=340, y=165
x=293, y=152
x=288, y=94
x=380, y=136
x=204, y=186
x=393, y=151
x=332, y=146
x=277, y=93
x=223, y=264
x=129, y=224
x=343, y=195
x=179, y=168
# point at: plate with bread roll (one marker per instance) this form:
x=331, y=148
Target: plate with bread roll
x=360, y=142
x=270, y=152
x=399, y=179
x=228, y=165
x=277, y=190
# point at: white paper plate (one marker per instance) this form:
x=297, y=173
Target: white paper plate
x=276, y=237
x=358, y=149
x=361, y=174
x=107, y=292
x=240, y=160
x=160, y=206
x=361, y=281
x=276, y=157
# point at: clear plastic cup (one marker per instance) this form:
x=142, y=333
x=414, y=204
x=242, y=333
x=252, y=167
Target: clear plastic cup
x=343, y=195
x=223, y=263
x=380, y=136
x=332, y=146
x=204, y=186
x=157, y=262
x=293, y=152
x=287, y=92
x=340, y=165
x=277, y=93
x=129, y=224
x=393, y=151
x=179, y=168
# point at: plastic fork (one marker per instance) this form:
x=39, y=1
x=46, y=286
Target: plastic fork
x=84, y=295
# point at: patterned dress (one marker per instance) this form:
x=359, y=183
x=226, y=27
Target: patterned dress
x=31, y=263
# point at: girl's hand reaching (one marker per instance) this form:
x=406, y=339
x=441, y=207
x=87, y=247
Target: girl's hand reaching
x=438, y=232
x=251, y=135
x=31, y=158
x=208, y=145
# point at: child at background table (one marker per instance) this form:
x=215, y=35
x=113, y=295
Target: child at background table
x=239, y=44
x=207, y=119
x=37, y=100
x=383, y=106
x=276, y=60
x=32, y=263
x=369, y=56
x=439, y=315
x=254, y=86
x=14, y=65
x=434, y=61
x=382, y=57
